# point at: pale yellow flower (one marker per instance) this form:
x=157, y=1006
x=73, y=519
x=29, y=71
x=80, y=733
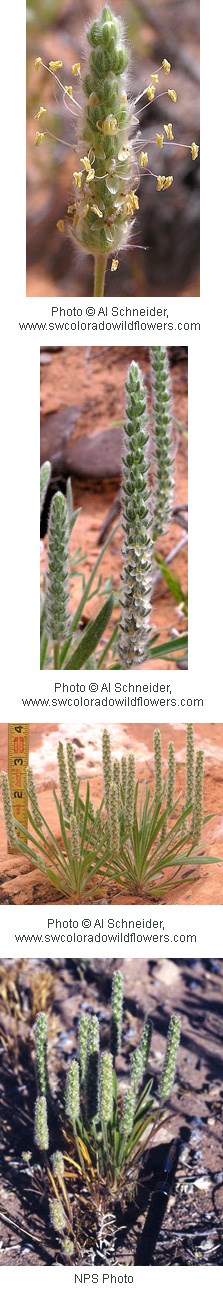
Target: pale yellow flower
x=166, y=66
x=55, y=65
x=150, y=93
x=40, y=135
x=194, y=151
x=143, y=159
x=159, y=140
x=40, y=113
x=77, y=175
x=172, y=95
x=169, y=131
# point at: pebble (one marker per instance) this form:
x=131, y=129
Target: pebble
x=207, y=1245
x=202, y=1183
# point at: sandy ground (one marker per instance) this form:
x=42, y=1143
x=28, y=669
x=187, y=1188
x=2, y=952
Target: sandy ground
x=22, y=884
x=182, y=1227
x=76, y=378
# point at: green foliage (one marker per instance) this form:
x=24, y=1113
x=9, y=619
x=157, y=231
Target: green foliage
x=141, y=842
x=59, y=631
x=101, y=1134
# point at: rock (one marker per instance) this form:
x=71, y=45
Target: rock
x=55, y=433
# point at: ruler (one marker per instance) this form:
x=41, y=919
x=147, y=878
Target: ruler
x=18, y=758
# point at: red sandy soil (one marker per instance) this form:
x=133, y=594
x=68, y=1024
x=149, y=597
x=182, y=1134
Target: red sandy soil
x=24, y=884
x=77, y=377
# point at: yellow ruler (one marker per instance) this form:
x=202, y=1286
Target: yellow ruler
x=18, y=759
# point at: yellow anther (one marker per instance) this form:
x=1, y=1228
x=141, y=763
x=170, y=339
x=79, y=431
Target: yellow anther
x=172, y=95
x=60, y=226
x=168, y=181
x=135, y=202
x=169, y=131
x=76, y=67
x=166, y=66
x=96, y=209
x=40, y=135
x=55, y=64
x=159, y=140
x=85, y=209
x=69, y=91
x=143, y=159
x=77, y=175
x=109, y=126
x=88, y=168
x=71, y=209
x=160, y=182
x=194, y=151
x=37, y=64
x=115, y=263
x=154, y=78
x=40, y=113
x=150, y=93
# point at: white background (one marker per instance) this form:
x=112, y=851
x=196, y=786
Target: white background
x=19, y=513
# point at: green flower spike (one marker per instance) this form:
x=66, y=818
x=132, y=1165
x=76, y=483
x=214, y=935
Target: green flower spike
x=72, y=1094
x=92, y=1069
x=190, y=765
x=45, y=476
x=137, y=549
x=158, y=765
x=82, y=1045
x=40, y=1053
x=130, y=794
x=162, y=438
x=106, y=1088
x=63, y=779
x=128, y=1111
x=169, y=1066
x=57, y=577
x=32, y=794
x=117, y=1012
x=105, y=199
x=57, y=1216
x=107, y=767
x=137, y=1068
x=113, y=821
x=41, y=1133
x=13, y=841
x=198, y=797
x=145, y=1042
x=71, y=767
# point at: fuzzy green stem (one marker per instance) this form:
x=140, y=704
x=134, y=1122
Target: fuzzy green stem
x=137, y=548
x=100, y=266
x=158, y=765
x=117, y=1011
x=198, y=798
x=169, y=1065
x=56, y=656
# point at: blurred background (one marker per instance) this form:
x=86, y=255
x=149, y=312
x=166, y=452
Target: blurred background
x=168, y=224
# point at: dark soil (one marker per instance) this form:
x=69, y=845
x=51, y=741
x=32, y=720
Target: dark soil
x=175, y=1218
